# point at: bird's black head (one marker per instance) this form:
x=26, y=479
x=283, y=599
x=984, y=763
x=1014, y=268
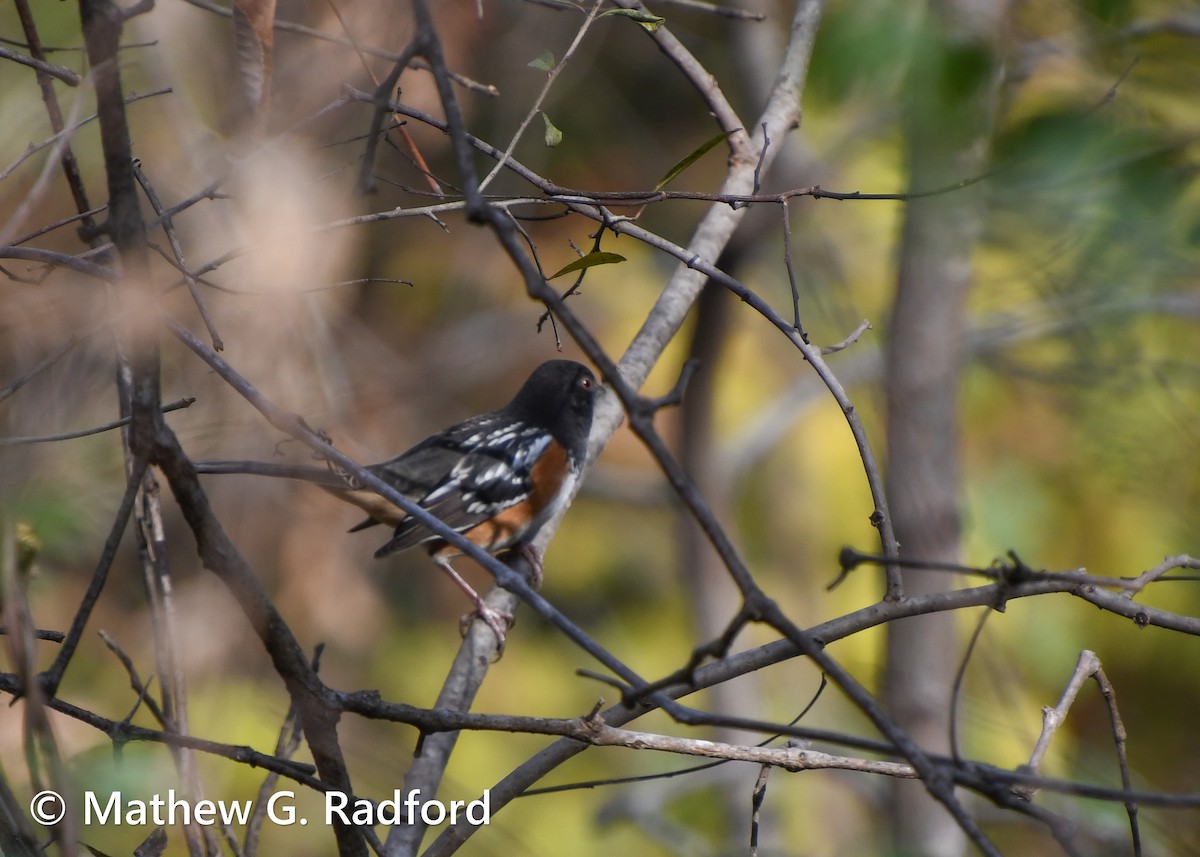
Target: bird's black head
x=559, y=397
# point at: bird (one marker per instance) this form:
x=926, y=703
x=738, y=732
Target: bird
x=497, y=478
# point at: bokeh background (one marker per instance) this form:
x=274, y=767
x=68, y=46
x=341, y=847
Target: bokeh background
x=1078, y=414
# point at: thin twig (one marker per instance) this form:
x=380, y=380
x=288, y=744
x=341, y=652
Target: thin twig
x=168, y=227
x=762, y=159
x=536, y=107
x=791, y=268
x=52, y=677
x=156, y=577
x=704, y=83
x=46, y=362
x=1053, y=718
x=61, y=260
x=731, y=12
x=957, y=687
x=59, y=224
x=140, y=687
x=666, y=775
x=1120, y=739
x=286, y=745
x=33, y=148
x=300, y=29
x=383, y=91
x=415, y=153
x=757, y=796
x=39, y=634
x=121, y=732
x=854, y=336
x=178, y=404
x=32, y=197
x=68, y=76
x=70, y=166
x=1157, y=572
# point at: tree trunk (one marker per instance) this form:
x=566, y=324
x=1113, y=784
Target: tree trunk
x=948, y=113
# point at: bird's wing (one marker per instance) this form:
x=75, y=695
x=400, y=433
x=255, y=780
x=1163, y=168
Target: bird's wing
x=415, y=473
x=491, y=473
x=485, y=466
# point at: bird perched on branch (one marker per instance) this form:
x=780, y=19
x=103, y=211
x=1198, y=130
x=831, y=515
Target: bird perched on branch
x=496, y=478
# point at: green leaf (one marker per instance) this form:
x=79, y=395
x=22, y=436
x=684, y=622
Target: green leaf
x=705, y=147
x=650, y=23
x=545, y=62
x=553, y=135
x=590, y=260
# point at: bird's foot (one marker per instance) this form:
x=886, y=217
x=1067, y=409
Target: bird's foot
x=498, y=620
x=534, y=558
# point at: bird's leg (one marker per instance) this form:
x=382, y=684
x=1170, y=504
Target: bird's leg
x=495, y=619
x=534, y=558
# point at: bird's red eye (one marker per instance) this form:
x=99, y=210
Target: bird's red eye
x=585, y=383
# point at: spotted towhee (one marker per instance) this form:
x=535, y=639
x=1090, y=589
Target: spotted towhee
x=495, y=478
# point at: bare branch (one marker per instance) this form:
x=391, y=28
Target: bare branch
x=721, y=11
x=52, y=677
x=179, y=404
x=1157, y=572
x=164, y=220
x=536, y=107
x=44, y=364
x=66, y=75
x=300, y=29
